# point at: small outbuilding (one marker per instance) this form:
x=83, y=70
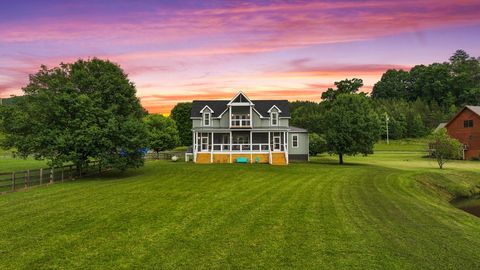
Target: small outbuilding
x=465, y=127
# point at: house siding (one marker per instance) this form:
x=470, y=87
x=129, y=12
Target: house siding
x=302, y=148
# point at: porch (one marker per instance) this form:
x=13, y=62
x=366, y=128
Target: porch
x=241, y=141
x=241, y=146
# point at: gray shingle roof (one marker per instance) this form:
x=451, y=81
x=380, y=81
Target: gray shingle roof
x=219, y=106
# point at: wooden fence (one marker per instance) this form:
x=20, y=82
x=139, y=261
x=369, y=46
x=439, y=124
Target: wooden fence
x=165, y=155
x=13, y=181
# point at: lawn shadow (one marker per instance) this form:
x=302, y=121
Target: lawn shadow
x=326, y=160
x=114, y=174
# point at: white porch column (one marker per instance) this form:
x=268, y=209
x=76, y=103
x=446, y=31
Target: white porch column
x=230, y=149
x=286, y=145
x=251, y=136
x=269, y=149
x=195, y=136
x=211, y=150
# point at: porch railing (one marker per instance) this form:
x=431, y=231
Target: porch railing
x=241, y=147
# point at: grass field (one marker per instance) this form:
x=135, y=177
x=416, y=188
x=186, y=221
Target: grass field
x=386, y=211
x=8, y=163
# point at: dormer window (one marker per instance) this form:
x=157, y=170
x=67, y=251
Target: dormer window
x=274, y=112
x=274, y=118
x=207, y=117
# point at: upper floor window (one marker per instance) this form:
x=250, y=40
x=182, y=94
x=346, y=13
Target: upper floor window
x=274, y=118
x=207, y=118
x=468, y=123
x=295, y=141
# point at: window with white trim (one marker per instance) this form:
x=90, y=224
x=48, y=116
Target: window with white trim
x=274, y=118
x=207, y=117
x=295, y=141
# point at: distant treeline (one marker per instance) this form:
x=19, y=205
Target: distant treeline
x=414, y=101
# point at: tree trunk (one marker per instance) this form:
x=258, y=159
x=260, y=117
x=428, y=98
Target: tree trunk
x=340, y=158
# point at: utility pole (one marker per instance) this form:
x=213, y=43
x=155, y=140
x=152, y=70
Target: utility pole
x=386, y=123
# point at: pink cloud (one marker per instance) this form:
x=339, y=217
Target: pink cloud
x=302, y=67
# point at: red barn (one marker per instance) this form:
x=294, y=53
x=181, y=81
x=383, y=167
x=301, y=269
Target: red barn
x=465, y=127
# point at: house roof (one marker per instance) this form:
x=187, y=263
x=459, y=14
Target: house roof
x=440, y=126
x=261, y=106
x=474, y=109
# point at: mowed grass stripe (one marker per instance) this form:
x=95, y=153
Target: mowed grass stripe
x=177, y=215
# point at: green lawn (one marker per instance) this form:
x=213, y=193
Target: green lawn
x=408, y=145
x=9, y=164
x=386, y=211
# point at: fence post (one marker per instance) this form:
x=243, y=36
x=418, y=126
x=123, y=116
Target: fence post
x=71, y=176
x=13, y=181
x=41, y=176
x=62, y=172
x=51, y=175
x=25, y=181
x=28, y=176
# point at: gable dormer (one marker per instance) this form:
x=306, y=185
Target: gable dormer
x=240, y=111
x=240, y=99
x=274, y=113
x=206, y=116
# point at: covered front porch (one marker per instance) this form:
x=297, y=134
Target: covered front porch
x=240, y=141
x=241, y=146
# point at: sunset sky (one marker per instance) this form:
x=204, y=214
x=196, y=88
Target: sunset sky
x=182, y=50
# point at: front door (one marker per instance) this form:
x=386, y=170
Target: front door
x=205, y=142
x=276, y=142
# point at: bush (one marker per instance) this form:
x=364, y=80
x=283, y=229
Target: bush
x=317, y=144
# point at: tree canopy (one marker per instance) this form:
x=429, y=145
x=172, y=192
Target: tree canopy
x=343, y=87
x=352, y=126
x=181, y=115
x=453, y=83
x=162, y=132
x=78, y=112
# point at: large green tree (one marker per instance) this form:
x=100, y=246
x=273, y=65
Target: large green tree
x=78, y=112
x=308, y=115
x=352, y=126
x=181, y=115
x=343, y=87
x=393, y=84
x=162, y=133
x=465, y=72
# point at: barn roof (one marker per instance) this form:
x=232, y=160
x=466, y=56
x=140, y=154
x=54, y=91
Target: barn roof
x=474, y=109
